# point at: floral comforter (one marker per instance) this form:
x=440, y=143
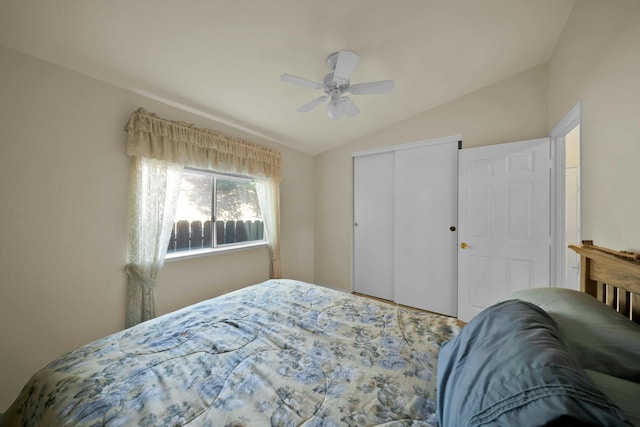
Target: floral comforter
x=280, y=353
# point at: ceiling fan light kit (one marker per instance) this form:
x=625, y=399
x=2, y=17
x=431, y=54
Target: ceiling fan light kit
x=335, y=110
x=337, y=83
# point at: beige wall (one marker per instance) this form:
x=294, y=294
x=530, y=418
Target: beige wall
x=512, y=110
x=63, y=217
x=597, y=61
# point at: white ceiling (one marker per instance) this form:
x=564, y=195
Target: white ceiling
x=224, y=58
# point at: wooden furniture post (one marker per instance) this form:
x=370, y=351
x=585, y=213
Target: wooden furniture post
x=612, y=277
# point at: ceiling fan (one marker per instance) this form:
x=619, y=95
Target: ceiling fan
x=336, y=84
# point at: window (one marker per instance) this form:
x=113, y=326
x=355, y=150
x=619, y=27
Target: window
x=161, y=149
x=214, y=211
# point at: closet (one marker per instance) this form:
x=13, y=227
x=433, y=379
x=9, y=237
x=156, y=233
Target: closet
x=404, y=231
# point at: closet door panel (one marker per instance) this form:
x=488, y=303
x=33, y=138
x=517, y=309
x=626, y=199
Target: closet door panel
x=425, y=199
x=373, y=225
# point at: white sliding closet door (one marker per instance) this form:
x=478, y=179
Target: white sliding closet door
x=426, y=204
x=373, y=225
x=405, y=213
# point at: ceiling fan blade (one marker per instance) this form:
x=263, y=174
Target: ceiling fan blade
x=313, y=104
x=300, y=81
x=372, y=88
x=350, y=109
x=347, y=62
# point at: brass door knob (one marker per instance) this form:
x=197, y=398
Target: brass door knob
x=464, y=245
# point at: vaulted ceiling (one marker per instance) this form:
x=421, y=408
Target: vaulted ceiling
x=224, y=58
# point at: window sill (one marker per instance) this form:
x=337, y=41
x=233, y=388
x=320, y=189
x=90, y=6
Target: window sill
x=198, y=253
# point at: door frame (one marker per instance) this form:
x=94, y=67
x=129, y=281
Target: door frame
x=558, y=225
x=408, y=145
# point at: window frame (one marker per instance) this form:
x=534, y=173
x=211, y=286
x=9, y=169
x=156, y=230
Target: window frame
x=226, y=247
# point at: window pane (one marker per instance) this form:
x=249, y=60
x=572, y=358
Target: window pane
x=193, y=224
x=238, y=217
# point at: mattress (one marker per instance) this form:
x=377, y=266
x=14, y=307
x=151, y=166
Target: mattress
x=282, y=352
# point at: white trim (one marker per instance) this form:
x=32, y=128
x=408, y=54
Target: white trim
x=199, y=253
x=568, y=122
x=227, y=176
x=525, y=142
x=409, y=145
x=558, y=209
x=557, y=224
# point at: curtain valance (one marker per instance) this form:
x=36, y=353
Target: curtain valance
x=178, y=142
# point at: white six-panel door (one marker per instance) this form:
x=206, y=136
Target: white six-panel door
x=503, y=222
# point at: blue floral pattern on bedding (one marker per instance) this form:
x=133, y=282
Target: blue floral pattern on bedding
x=280, y=353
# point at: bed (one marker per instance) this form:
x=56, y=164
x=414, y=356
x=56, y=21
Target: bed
x=286, y=352
x=551, y=356
x=279, y=353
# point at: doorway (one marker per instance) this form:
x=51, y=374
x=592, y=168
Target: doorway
x=572, y=208
x=566, y=202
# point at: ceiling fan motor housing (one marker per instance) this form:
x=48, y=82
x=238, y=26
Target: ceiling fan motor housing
x=332, y=60
x=332, y=88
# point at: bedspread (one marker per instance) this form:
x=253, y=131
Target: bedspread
x=282, y=352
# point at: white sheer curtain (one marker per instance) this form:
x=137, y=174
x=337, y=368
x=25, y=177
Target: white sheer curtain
x=160, y=148
x=153, y=198
x=268, y=192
